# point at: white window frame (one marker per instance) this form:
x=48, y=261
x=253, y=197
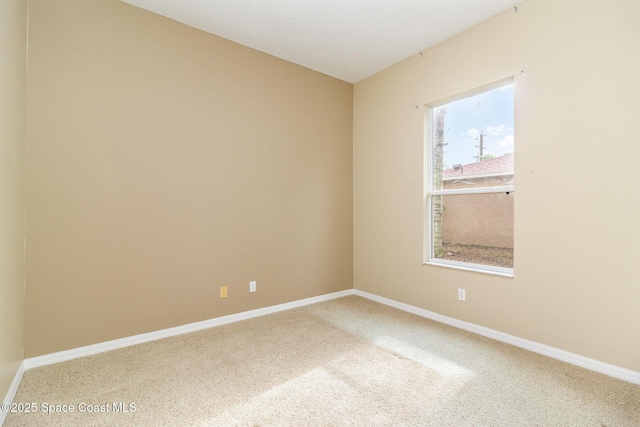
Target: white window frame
x=429, y=258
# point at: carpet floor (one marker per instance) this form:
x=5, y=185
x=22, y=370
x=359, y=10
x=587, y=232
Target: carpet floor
x=345, y=362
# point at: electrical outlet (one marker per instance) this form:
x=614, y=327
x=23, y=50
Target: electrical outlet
x=252, y=286
x=462, y=295
x=223, y=291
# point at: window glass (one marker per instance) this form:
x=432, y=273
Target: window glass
x=477, y=228
x=471, y=178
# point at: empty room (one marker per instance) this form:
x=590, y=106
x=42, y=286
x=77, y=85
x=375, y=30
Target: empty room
x=332, y=213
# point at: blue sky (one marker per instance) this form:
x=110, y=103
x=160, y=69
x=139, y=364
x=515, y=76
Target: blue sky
x=489, y=112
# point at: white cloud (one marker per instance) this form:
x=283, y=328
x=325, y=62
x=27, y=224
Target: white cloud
x=473, y=133
x=507, y=141
x=495, y=130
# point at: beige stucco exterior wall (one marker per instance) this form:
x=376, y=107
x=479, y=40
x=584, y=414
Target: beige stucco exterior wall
x=577, y=240
x=485, y=220
x=479, y=219
x=13, y=47
x=165, y=162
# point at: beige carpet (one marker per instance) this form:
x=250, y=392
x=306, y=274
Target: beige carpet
x=346, y=362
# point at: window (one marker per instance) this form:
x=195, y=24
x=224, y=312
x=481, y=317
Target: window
x=469, y=181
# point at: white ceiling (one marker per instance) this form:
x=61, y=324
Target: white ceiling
x=346, y=39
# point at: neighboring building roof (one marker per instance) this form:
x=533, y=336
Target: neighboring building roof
x=502, y=165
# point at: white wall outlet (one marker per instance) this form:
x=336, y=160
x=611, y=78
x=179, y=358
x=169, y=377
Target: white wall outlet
x=252, y=286
x=462, y=295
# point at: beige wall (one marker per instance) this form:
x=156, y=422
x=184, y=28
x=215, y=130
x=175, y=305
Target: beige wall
x=13, y=47
x=165, y=162
x=577, y=239
x=485, y=220
x=479, y=219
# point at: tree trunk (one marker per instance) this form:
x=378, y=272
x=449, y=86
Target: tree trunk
x=437, y=204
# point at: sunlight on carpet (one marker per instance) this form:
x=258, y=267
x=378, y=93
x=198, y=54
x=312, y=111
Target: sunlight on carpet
x=344, y=362
x=446, y=369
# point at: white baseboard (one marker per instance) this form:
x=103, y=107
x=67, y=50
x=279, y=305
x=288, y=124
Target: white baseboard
x=556, y=353
x=88, y=350
x=12, y=390
x=565, y=356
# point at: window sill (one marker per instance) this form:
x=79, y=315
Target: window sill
x=476, y=268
